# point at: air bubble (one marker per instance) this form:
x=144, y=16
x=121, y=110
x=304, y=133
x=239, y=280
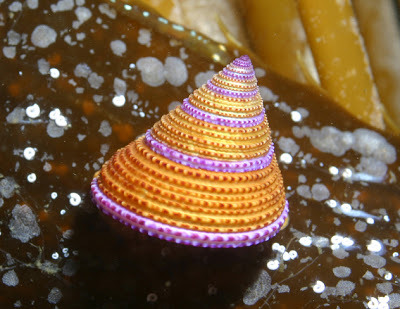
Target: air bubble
x=74, y=199
x=319, y=287
x=29, y=153
x=55, y=73
x=33, y=111
x=31, y=177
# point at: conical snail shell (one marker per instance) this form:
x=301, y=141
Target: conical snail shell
x=205, y=174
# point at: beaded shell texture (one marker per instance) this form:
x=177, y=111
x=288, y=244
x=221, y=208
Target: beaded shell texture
x=205, y=174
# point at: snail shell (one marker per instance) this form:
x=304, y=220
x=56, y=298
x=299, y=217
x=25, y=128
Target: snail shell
x=205, y=174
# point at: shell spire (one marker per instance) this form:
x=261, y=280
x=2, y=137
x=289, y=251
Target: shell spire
x=205, y=174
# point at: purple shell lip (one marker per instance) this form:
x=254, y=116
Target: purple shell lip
x=209, y=164
x=183, y=236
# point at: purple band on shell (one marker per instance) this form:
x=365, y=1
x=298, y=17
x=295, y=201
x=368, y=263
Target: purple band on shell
x=209, y=164
x=221, y=120
x=184, y=236
x=236, y=75
x=232, y=93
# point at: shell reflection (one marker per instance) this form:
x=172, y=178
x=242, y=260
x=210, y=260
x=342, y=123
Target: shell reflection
x=205, y=174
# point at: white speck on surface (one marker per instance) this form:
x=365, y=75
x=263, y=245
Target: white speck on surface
x=258, y=289
x=283, y=106
x=104, y=149
x=31, y=177
x=32, y=4
x=16, y=116
x=118, y=47
x=82, y=70
x=319, y=192
x=287, y=144
x=303, y=112
x=105, y=9
x=344, y=287
x=201, y=78
x=29, y=153
x=267, y=94
x=372, y=167
x=33, y=111
x=54, y=73
x=105, y=128
x=83, y=14
x=53, y=130
x=74, y=199
x=341, y=271
x=81, y=137
x=9, y=52
x=119, y=86
x=151, y=70
x=371, y=144
x=62, y=5
x=321, y=242
x=368, y=275
x=16, y=6
x=10, y=278
x=304, y=191
x=43, y=36
x=13, y=37
x=331, y=140
x=43, y=66
x=283, y=289
x=394, y=300
x=175, y=71
x=260, y=72
x=385, y=287
x=374, y=261
x=54, y=296
x=305, y=241
x=47, y=167
x=119, y=100
x=7, y=187
x=286, y=158
x=144, y=37
x=360, y=226
x=95, y=80
x=173, y=105
x=80, y=36
x=54, y=195
x=23, y=225
x=55, y=256
x=319, y=287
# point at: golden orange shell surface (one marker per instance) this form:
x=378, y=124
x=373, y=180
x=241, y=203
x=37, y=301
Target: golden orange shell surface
x=205, y=174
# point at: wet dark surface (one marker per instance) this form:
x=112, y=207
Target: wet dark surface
x=339, y=250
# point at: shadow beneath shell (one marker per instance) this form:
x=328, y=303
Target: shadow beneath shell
x=122, y=268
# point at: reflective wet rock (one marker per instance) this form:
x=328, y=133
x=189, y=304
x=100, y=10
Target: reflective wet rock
x=80, y=80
